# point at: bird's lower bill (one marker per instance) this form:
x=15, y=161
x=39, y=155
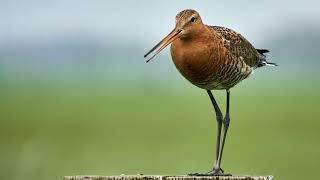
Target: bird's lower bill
x=164, y=43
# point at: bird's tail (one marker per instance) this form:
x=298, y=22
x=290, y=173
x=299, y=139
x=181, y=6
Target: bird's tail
x=263, y=60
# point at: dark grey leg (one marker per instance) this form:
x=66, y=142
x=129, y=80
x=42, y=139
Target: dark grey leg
x=219, y=121
x=226, y=123
x=217, y=171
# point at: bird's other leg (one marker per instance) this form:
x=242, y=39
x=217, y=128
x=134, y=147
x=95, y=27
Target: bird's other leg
x=226, y=123
x=216, y=171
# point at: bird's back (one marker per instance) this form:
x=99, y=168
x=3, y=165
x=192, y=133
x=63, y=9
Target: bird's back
x=240, y=47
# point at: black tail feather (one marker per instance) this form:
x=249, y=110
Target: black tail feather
x=262, y=51
x=263, y=60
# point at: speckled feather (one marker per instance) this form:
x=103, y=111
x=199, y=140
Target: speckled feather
x=239, y=46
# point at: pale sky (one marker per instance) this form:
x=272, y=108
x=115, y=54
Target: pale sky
x=140, y=21
x=43, y=38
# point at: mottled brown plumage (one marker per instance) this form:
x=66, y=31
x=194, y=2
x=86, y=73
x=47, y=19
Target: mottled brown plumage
x=211, y=57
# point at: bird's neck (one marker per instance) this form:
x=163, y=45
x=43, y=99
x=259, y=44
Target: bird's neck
x=197, y=32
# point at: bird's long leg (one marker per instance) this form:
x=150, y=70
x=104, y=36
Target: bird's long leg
x=216, y=170
x=219, y=117
x=226, y=123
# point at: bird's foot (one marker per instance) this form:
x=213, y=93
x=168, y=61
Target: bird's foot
x=214, y=172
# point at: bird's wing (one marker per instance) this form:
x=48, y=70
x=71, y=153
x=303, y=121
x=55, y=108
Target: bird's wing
x=238, y=46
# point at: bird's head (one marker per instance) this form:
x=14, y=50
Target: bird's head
x=188, y=23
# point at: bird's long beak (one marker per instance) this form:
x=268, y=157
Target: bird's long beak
x=164, y=43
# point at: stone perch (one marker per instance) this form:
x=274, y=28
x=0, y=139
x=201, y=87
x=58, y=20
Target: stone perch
x=158, y=177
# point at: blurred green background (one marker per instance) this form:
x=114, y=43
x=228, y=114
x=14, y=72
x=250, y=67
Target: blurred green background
x=76, y=96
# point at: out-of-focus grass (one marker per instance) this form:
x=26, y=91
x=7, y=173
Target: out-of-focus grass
x=51, y=131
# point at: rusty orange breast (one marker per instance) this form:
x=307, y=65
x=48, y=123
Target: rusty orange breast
x=196, y=59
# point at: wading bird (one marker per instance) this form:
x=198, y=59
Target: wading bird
x=212, y=58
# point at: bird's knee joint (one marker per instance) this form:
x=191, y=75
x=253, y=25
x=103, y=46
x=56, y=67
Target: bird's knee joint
x=219, y=118
x=226, y=121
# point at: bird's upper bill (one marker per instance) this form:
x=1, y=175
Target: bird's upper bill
x=187, y=21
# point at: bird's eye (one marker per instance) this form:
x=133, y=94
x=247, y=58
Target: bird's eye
x=193, y=19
